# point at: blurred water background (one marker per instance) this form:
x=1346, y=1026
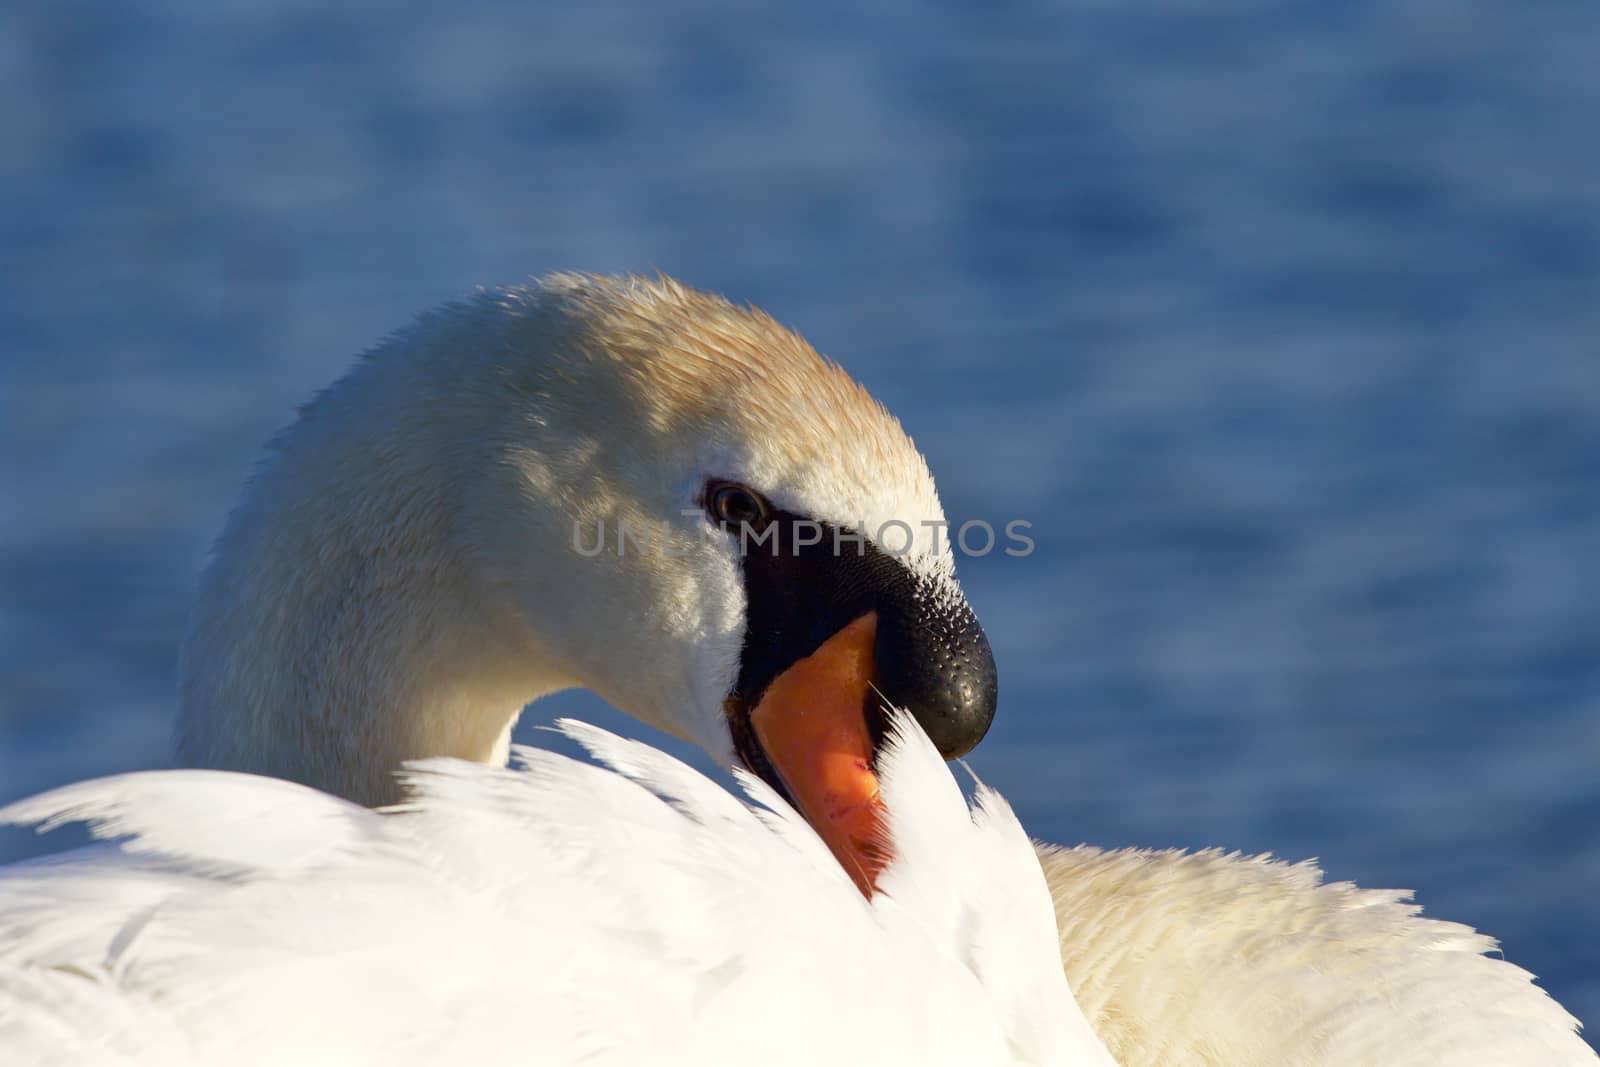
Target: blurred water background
x=1280, y=320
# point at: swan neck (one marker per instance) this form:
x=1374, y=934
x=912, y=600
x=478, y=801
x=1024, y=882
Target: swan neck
x=343, y=626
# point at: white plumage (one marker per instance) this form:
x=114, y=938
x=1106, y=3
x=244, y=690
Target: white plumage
x=555, y=913
x=399, y=580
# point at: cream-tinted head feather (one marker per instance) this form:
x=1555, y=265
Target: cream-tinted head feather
x=758, y=399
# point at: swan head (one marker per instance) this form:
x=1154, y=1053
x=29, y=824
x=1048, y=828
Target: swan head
x=651, y=493
x=732, y=506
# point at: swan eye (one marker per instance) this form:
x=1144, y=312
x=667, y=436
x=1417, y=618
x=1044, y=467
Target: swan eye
x=734, y=505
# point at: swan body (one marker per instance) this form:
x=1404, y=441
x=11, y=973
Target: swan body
x=554, y=913
x=406, y=570
x=1210, y=959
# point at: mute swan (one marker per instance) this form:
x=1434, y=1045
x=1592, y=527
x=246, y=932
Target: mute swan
x=402, y=575
x=558, y=913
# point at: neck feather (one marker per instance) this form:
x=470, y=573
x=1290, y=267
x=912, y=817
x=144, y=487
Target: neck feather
x=341, y=627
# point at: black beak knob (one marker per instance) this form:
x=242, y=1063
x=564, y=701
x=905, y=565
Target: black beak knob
x=935, y=662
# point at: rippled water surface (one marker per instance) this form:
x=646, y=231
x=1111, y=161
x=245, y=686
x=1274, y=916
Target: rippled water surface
x=1281, y=322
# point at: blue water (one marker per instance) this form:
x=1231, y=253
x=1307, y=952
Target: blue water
x=1281, y=321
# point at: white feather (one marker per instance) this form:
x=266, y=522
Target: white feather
x=556, y=913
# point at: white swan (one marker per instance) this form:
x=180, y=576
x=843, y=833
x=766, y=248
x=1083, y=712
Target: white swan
x=554, y=914
x=412, y=565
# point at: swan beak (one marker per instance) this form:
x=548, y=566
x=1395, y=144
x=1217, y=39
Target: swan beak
x=811, y=726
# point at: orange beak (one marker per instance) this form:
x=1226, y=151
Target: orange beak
x=811, y=725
